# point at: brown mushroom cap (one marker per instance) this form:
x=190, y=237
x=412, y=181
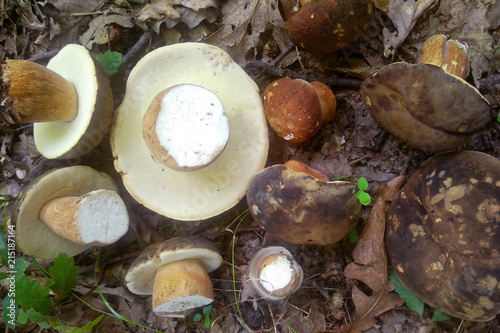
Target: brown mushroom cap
x=442, y=234
x=426, y=107
x=326, y=26
x=449, y=54
x=141, y=275
x=301, y=209
x=293, y=109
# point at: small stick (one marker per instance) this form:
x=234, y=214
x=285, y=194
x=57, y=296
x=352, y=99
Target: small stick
x=134, y=50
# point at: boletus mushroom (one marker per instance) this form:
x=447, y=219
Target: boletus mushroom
x=274, y=273
x=70, y=105
x=300, y=208
x=450, y=54
x=68, y=210
x=425, y=106
x=442, y=234
x=325, y=26
x=175, y=273
x=190, y=132
x=296, y=109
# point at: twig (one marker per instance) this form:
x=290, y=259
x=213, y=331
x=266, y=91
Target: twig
x=258, y=69
x=44, y=56
x=136, y=49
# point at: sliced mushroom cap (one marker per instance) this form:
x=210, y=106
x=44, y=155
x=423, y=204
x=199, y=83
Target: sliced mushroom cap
x=301, y=209
x=69, y=139
x=426, y=107
x=33, y=236
x=442, y=234
x=212, y=190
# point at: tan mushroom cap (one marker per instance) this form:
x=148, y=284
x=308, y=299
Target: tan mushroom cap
x=32, y=235
x=141, y=274
x=301, y=209
x=442, y=234
x=426, y=107
x=208, y=192
x=70, y=139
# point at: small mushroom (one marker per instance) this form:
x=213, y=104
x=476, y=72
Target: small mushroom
x=190, y=132
x=442, y=234
x=425, y=106
x=71, y=105
x=175, y=273
x=300, y=208
x=296, y=109
x=68, y=210
x=447, y=53
x=274, y=273
x=325, y=26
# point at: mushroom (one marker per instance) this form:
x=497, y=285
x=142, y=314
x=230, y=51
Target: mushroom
x=425, y=106
x=175, y=273
x=274, y=274
x=68, y=210
x=447, y=53
x=325, y=26
x=442, y=234
x=300, y=208
x=70, y=105
x=157, y=177
x=296, y=109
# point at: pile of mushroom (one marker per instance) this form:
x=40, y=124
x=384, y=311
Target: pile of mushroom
x=442, y=234
x=69, y=210
x=175, y=273
x=71, y=105
x=301, y=206
x=190, y=132
x=424, y=105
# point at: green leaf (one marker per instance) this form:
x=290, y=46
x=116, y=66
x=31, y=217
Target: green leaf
x=3, y=248
x=197, y=317
x=207, y=310
x=64, y=272
x=69, y=329
x=110, y=61
x=19, y=268
x=498, y=118
x=362, y=183
x=10, y=311
x=22, y=318
x=440, y=316
x=207, y=322
x=412, y=301
x=353, y=236
x=29, y=294
x=364, y=198
x=38, y=318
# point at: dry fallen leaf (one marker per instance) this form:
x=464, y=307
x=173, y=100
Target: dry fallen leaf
x=99, y=32
x=370, y=265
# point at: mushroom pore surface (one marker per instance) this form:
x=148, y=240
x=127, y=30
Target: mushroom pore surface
x=442, y=234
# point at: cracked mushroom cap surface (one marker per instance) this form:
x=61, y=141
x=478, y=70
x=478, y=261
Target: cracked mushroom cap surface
x=141, y=274
x=32, y=235
x=302, y=209
x=426, y=107
x=214, y=189
x=70, y=139
x=442, y=234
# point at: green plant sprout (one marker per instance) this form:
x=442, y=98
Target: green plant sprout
x=206, y=314
x=362, y=196
x=110, y=61
x=412, y=301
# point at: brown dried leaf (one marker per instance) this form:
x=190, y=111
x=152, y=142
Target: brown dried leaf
x=370, y=264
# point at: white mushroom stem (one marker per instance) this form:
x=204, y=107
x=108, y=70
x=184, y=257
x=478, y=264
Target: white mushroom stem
x=181, y=286
x=36, y=94
x=278, y=274
x=186, y=127
x=96, y=218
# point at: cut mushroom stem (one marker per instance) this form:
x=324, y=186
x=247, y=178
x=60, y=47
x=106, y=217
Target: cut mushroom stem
x=96, y=218
x=186, y=127
x=274, y=273
x=181, y=286
x=33, y=93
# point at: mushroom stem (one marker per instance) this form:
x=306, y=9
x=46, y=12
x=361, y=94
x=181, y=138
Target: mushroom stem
x=34, y=93
x=181, y=286
x=96, y=218
x=186, y=127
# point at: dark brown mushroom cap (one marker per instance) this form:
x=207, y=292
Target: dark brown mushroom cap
x=424, y=106
x=301, y=209
x=326, y=26
x=442, y=234
x=141, y=274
